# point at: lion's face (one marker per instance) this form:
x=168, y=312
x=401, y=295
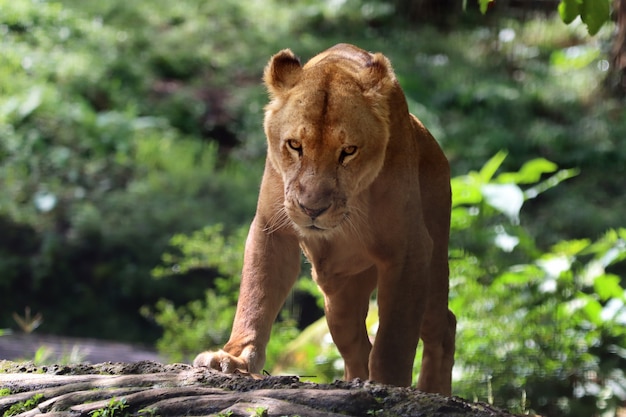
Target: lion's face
x=327, y=131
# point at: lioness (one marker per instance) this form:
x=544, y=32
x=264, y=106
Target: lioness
x=361, y=187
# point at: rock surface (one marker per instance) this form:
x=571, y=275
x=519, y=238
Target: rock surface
x=152, y=389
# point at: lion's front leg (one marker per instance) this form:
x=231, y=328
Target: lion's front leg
x=403, y=287
x=346, y=306
x=271, y=265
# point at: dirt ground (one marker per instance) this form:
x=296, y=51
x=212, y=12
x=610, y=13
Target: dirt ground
x=152, y=389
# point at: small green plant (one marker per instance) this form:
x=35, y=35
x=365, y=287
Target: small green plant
x=24, y=406
x=4, y=392
x=258, y=411
x=148, y=412
x=226, y=413
x=115, y=408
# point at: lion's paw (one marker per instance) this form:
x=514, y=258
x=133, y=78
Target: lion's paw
x=221, y=361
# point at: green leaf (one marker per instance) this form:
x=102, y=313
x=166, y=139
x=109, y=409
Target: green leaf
x=491, y=166
x=530, y=172
x=569, y=10
x=608, y=286
x=553, y=181
x=484, y=5
x=594, y=14
x=570, y=247
x=32, y=101
x=520, y=275
x=461, y=219
x=466, y=190
x=592, y=309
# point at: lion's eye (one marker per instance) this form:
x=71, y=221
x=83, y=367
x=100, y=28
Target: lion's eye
x=346, y=152
x=295, y=145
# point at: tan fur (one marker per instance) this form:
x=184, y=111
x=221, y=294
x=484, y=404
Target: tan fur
x=361, y=187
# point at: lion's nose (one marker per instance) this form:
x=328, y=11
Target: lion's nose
x=313, y=212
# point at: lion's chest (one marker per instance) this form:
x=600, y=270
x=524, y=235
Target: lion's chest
x=336, y=258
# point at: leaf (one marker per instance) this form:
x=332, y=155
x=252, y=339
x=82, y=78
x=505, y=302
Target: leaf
x=465, y=190
x=491, y=166
x=31, y=103
x=595, y=13
x=484, y=5
x=529, y=173
x=506, y=198
x=519, y=275
x=593, y=309
x=551, y=182
x=569, y=10
x=461, y=219
x=570, y=247
x=608, y=286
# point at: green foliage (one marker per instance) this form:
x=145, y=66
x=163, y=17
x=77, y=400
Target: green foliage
x=554, y=338
x=95, y=177
x=200, y=324
x=205, y=324
x=259, y=411
x=594, y=13
x=115, y=408
x=4, y=392
x=483, y=5
x=24, y=406
x=551, y=346
x=148, y=412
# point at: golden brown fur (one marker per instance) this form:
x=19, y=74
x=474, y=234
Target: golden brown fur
x=361, y=187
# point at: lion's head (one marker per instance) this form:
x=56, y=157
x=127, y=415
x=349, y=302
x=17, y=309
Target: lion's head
x=327, y=126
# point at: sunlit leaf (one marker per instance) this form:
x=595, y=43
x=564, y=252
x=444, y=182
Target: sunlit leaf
x=465, y=190
x=554, y=266
x=611, y=248
x=595, y=13
x=461, y=218
x=574, y=57
x=592, y=309
x=506, y=198
x=570, y=10
x=491, y=166
x=520, y=275
x=530, y=172
x=31, y=103
x=570, y=247
x=608, y=286
x=551, y=182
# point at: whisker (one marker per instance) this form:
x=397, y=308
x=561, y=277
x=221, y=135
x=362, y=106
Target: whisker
x=355, y=222
x=278, y=220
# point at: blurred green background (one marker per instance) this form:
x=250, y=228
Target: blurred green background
x=131, y=149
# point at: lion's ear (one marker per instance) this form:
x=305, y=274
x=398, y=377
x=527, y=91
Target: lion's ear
x=282, y=72
x=378, y=76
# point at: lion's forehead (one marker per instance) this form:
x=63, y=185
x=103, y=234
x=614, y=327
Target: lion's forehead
x=344, y=118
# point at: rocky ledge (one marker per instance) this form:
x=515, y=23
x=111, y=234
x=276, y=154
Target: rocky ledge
x=152, y=389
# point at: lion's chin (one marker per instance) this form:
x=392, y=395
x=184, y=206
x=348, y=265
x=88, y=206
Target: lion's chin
x=325, y=225
x=306, y=227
